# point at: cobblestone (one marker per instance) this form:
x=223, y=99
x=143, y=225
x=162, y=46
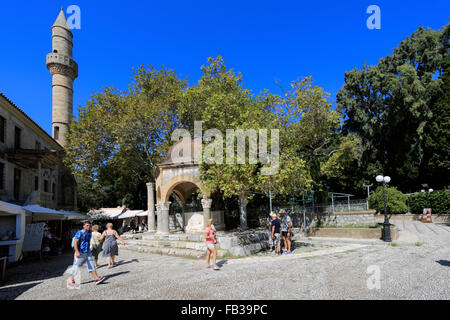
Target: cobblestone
x=316, y=270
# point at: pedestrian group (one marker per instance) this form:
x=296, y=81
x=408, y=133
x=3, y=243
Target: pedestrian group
x=87, y=245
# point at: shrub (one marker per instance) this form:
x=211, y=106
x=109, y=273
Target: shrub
x=395, y=200
x=439, y=201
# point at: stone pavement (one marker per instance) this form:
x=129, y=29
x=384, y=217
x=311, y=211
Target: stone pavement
x=416, y=231
x=316, y=270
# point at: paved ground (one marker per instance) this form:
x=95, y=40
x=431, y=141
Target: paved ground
x=414, y=268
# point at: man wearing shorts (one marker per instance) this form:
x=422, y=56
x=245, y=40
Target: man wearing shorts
x=275, y=225
x=81, y=245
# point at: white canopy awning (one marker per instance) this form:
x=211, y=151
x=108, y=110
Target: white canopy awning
x=143, y=214
x=129, y=214
x=74, y=216
x=106, y=213
x=9, y=208
x=42, y=214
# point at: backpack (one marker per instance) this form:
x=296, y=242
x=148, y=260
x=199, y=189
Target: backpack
x=83, y=233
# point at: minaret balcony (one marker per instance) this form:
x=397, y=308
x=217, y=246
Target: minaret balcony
x=63, y=60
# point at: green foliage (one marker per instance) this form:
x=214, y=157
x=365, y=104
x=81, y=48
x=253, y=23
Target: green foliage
x=119, y=138
x=438, y=201
x=393, y=109
x=395, y=200
x=221, y=102
x=312, y=130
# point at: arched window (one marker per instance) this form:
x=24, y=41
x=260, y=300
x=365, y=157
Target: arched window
x=56, y=133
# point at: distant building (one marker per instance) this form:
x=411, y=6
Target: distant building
x=31, y=170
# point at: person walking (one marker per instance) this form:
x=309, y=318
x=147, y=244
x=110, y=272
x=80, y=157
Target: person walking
x=110, y=247
x=210, y=240
x=96, y=246
x=286, y=227
x=81, y=244
x=275, y=225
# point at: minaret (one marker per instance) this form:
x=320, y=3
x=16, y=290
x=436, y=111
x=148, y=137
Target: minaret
x=63, y=70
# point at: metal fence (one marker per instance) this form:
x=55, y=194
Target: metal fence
x=337, y=206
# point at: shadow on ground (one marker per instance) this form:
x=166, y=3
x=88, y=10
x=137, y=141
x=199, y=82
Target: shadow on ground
x=28, y=271
x=221, y=263
x=13, y=292
x=444, y=263
x=108, y=277
x=39, y=271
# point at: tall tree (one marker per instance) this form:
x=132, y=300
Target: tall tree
x=435, y=167
x=389, y=105
x=312, y=130
x=119, y=137
x=221, y=102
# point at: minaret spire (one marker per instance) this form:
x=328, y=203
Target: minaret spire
x=64, y=71
x=61, y=20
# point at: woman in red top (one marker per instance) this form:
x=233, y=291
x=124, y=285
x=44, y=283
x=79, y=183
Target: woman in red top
x=210, y=240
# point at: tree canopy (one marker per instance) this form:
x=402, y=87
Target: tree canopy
x=393, y=108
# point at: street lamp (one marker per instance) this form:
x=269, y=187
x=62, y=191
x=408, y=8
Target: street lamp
x=427, y=192
x=268, y=154
x=368, y=193
x=386, y=234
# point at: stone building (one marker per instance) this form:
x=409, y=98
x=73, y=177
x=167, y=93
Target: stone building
x=30, y=162
x=180, y=182
x=31, y=170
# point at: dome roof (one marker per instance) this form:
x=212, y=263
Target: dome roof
x=175, y=154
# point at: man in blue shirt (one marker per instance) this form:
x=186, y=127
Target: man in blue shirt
x=81, y=245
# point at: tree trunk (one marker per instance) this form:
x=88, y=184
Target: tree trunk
x=243, y=201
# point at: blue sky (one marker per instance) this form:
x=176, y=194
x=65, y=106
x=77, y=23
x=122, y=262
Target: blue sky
x=264, y=40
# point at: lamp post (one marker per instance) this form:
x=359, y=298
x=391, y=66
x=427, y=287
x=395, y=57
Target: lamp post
x=427, y=192
x=386, y=234
x=368, y=194
x=270, y=187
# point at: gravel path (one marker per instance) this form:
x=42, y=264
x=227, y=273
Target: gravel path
x=332, y=271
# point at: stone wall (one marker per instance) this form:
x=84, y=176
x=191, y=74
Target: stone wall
x=244, y=243
x=362, y=218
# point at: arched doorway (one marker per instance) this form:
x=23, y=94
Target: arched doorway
x=180, y=191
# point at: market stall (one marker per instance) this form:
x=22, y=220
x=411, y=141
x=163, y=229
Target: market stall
x=12, y=230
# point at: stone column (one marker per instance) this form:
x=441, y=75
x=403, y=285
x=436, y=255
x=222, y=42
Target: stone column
x=163, y=217
x=206, y=204
x=151, y=207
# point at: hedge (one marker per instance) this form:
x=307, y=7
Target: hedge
x=395, y=200
x=439, y=202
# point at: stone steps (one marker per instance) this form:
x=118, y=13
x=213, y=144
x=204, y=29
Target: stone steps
x=176, y=248
x=233, y=243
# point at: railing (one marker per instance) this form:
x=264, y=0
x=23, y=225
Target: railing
x=337, y=206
